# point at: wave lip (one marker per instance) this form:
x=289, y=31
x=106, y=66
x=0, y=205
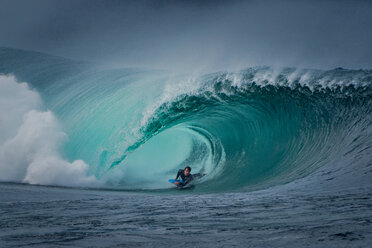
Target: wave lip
x=271, y=129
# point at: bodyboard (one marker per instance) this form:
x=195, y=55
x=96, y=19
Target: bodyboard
x=173, y=181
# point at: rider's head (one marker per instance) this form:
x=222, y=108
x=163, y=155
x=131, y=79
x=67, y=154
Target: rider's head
x=187, y=170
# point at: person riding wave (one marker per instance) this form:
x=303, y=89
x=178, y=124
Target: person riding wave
x=185, y=176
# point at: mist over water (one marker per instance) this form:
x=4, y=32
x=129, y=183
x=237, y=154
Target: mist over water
x=194, y=36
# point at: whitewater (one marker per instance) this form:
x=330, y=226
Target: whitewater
x=287, y=154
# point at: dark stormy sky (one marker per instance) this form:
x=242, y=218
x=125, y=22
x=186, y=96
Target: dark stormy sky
x=195, y=35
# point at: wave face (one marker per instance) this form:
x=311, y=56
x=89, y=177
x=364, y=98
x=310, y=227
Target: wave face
x=246, y=130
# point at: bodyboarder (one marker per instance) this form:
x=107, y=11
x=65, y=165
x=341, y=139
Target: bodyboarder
x=185, y=176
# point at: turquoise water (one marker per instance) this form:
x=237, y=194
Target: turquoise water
x=246, y=130
x=86, y=151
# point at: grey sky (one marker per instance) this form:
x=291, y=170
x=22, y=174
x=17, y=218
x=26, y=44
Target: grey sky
x=194, y=34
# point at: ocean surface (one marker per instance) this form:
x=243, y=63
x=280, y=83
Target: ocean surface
x=86, y=151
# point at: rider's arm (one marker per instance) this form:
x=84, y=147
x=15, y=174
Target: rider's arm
x=178, y=174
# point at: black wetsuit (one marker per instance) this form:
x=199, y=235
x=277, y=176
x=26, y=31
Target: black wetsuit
x=186, y=179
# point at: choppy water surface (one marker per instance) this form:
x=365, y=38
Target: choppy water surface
x=58, y=217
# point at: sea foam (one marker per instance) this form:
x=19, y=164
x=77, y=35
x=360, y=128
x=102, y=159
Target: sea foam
x=31, y=140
